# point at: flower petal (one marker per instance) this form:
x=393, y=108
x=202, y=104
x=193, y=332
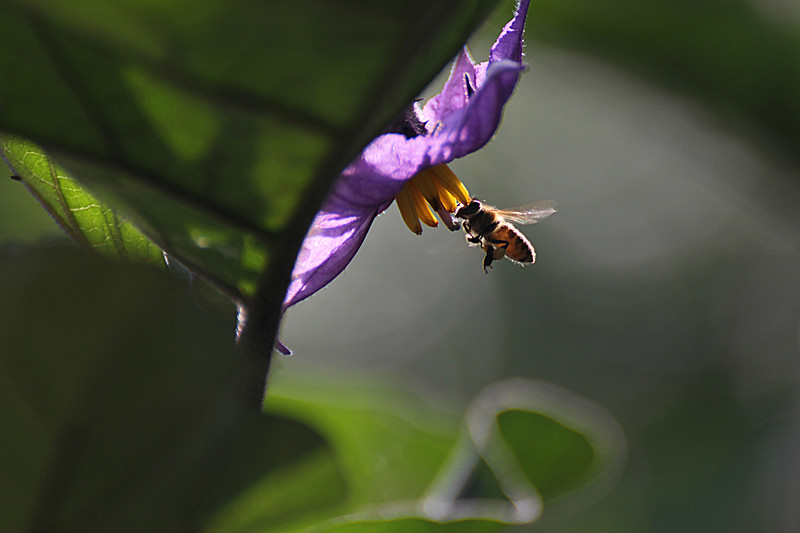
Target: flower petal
x=462, y=120
x=369, y=185
x=471, y=127
x=509, y=44
x=378, y=173
x=329, y=246
x=454, y=95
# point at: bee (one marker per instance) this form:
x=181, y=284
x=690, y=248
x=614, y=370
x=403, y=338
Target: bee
x=492, y=229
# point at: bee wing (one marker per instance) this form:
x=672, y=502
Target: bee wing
x=528, y=213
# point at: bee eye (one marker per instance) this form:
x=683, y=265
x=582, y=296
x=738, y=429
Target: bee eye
x=466, y=211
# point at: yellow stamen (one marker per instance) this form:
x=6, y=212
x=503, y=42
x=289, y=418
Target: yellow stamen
x=407, y=211
x=435, y=188
x=423, y=211
x=450, y=182
x=426, y=185
x=448, y=202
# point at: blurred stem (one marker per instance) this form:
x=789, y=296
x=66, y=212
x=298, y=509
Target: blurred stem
x=258, y=329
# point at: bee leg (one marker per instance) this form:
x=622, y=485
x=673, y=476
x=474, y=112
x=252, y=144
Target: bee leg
x=487, y=260
x=472, y=239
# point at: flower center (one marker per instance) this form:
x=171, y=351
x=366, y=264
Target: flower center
x=433, y=190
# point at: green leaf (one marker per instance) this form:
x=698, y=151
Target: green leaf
x=377, y=433
x=217, y=127
x=122, y=407
x=556, y=458
x=525, y=448
x=73, y=208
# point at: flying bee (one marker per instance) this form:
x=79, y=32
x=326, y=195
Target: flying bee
x=492, y=229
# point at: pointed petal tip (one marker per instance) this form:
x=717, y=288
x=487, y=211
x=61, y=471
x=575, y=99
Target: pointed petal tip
x=509, y=43
x=281, y=348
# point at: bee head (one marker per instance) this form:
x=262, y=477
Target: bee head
x=469, y=210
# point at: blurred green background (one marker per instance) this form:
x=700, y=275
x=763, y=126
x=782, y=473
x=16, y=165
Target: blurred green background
x=666, y=288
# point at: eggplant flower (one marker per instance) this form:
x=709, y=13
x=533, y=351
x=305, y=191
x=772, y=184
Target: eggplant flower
x=408, y=163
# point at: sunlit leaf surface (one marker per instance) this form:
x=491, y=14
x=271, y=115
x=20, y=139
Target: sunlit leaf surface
x=74, y=209
x=218, y=126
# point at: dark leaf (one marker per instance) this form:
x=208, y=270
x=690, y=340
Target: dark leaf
x=123, y=406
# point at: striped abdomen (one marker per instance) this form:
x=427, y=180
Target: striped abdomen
x=519, y=248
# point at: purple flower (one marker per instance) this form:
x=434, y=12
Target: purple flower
x=457, y=121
